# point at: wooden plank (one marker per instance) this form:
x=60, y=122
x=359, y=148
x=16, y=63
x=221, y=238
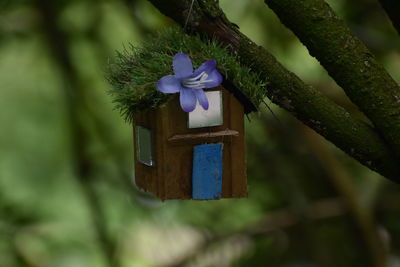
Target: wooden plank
x=202, y=137
x=227, y=174
x=238, y=155
x=177, y=169
x=160, y=140
x=207, y=171
x=177, y=163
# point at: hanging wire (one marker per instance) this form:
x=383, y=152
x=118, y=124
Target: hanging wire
x=188, y=16
x=272, y=112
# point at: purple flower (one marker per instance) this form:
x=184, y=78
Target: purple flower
x=190, y=84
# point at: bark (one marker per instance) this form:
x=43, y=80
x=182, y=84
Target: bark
x=392, y=8
x=354, y=137
x=347, y=60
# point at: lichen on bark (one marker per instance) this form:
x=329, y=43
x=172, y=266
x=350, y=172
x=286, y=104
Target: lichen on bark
x=347, y=60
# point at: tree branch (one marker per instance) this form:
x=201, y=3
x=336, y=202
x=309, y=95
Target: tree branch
x=347, y=60
x=392, y=8
x=287, y=90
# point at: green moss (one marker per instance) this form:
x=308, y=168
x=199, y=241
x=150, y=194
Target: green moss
x=135, y=71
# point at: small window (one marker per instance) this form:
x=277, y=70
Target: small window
x=144, y=146
x=205, y=118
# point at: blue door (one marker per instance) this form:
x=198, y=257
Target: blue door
x=207, y=171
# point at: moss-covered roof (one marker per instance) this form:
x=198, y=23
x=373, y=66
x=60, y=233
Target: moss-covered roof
x=135, y=71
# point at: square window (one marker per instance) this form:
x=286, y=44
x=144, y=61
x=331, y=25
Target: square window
x=144, y=146
x=205, y=118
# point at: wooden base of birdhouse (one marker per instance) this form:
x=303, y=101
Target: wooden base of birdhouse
x=171, y=162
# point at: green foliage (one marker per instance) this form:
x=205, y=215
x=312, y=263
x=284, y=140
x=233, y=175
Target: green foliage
x=135, y=71
x=45, y=216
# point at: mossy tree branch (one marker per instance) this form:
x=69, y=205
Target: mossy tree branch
x=347, y=60
x=354, y=137
x=392, y=8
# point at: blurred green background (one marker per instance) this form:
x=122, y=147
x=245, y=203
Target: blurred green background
x=66, y=157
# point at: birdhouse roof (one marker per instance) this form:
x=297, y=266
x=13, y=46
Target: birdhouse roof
x=135, y=72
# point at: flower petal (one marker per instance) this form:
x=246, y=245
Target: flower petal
x=188, y=99
x=182, y=65
x=201, y=96
x=169, y=84
x=207, y=67
x=215, y=79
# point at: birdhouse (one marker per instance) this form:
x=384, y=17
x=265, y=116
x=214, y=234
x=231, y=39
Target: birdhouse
x=180, y=152
x=195, y=155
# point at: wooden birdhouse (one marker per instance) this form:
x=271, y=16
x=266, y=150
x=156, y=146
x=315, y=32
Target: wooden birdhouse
x=197, y=154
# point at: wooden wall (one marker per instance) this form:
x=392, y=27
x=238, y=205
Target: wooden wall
x=171, y=176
